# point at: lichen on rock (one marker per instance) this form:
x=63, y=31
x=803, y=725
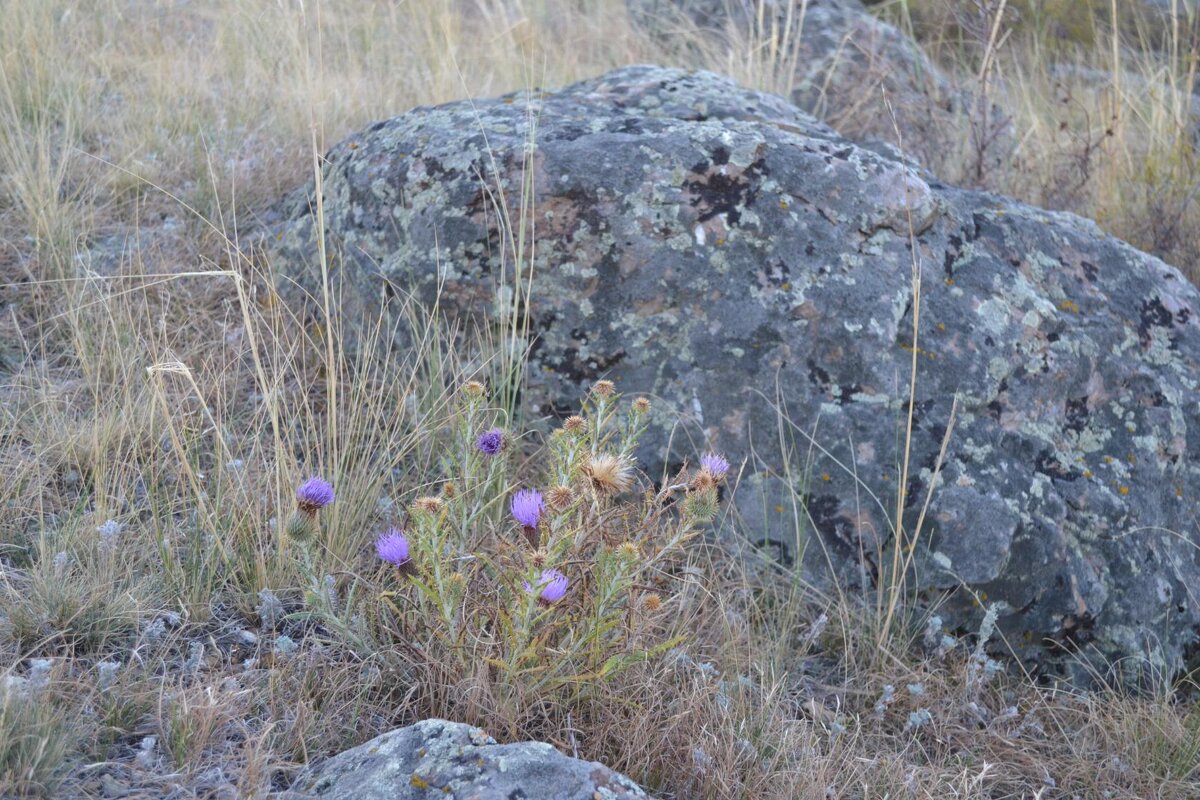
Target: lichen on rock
x=436, y=758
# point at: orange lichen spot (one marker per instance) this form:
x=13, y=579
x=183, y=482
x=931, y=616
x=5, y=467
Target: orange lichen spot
x=786, y=286
x=949, y=281
x=1087, y=473
x=1069, y=305
x=941, y=326
x=783, y=203
x=354, y=145
x=719, y=242
x=1109, y=459
x=1179, y=491
x=419, y=782
x=1124, y=490
x=921, y=351
x=826, y=477
x=1131, y=458
x=778, y=509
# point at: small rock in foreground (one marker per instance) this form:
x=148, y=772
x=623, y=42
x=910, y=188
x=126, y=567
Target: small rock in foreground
x=436, y=758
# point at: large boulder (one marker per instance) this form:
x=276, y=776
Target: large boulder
x=435, y=758
x=741, y=262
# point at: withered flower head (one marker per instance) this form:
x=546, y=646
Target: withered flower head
x=703, y=481
x=652, y=602
x=449, y=490
x=641, y=405
x=560, y=498
x=629, y=549
x=428, y=505
x=539, y=558
x=603, y=388
x=474, y=389
x=573, y=424
x=609, y=474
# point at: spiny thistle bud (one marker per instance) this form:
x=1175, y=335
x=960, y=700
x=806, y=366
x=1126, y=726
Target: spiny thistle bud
x=560, y=498
x=474, y=389
x=603, y=388
x=701, y=506
x=574, y=424
x=300, y=527
x=641, y=405
x=629, y=550
x=652, y=602
x=609, y=474
x=539, y=558
x=428, y=505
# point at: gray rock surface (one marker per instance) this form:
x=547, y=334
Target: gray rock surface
x=743, y=263
x=435, y=758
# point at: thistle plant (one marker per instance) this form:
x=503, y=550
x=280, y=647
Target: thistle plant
x=563, y=591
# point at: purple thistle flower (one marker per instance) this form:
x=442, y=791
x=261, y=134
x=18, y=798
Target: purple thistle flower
x=553, y=585
x=313, y=495
x=392, y=546
x=716, y=465
x=527, y=507
x=490, y=443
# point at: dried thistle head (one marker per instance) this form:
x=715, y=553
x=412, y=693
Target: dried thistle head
x=609, y=474
x=704, y=481
x=560, y=498
x=652, y=602
x=574, y=424
x=603, y=388
x=474, y=389
x=449, y=490
x=641, y=405
x=539, y=558
x=629, y=550
x=428, y=505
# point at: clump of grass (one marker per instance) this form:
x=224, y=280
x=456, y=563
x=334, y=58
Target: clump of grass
x=72, y=599
x=37, y=737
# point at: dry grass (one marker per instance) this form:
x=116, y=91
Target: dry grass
x=151, y=378
x=1099, y=112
